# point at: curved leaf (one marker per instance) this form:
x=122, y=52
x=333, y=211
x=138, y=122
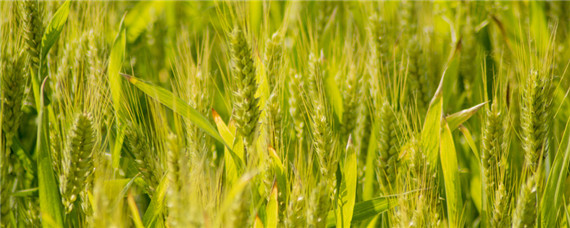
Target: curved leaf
x=54, y=28
x=451, y=176
x=177, y=105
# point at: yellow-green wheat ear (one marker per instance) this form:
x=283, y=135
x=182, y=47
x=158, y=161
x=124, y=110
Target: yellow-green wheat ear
x=535, y=117
x=492, y=147
x=296, y=105
x=79, y=161
x=12, y=94
x=246, y=111
x=525, y=208
x=33, y=30
x=350, y=103
x=273, y=61
x=387, y=147
x=146, y=164
x=500, y=208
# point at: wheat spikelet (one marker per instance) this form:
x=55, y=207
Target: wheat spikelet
x=492, y=147
x=524, y=214
x=500, y=207
x=295, y=216
x=146, y=164
x=79, y=164
x=11, y=93
x=296, y=105
x=350, y=103
x=387, y=147
x=33, y=30
x=246, y=112
x=177, y=168
x=417, y=75
x=535, y=118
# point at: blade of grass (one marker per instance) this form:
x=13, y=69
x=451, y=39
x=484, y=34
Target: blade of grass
x=156, y=206
x=272, y=209
x=50, y=199
x=50, y=36
x=347, y=193
x=54, y=28
x=139, y=17
x=177, y=105
x=470, y=141
x=114, y=68
x=451, y=176
x=257, y=223
x=135, y=211
x=334, y=96
x=554, y=192
x=233, y=157
x=456, y=119
x=368, y=191
x=367, y=209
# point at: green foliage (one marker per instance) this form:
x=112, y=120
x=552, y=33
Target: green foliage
x=284, y=114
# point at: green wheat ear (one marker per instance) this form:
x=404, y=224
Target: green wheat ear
x=273, y=61
x=296, y=105
x=492, y=147
x=246, y=111
x=500, y=207
x=350, y=103
x=33, y=30
x=146, y=164
x=535, y=118
x=387, y=147
x=79, y=162
x=11, y=94
x=525, y=209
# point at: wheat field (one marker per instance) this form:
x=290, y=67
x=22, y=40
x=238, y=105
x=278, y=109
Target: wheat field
x=284, y=114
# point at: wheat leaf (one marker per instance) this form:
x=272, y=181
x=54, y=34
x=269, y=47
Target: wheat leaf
x=177, y=105
x=451, y=176
x=50, y=199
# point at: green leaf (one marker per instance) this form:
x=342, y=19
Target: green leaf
x=334, y=96
x=177, y=105
x=156, y=206
x=257, y=223
x=368, y=191
x=114, y=69
x=562, y=102
x=456, y=119
x=554, y=192
x=134, y=211
x=430, y=133
x=451, y=177
x=272, y=209
x=140, y=17
x=233, y=156
x=113, y=72
x=233, y=193
x=367, y=209
x=51, y=209
x=347, y=193
x=50, y=36
x=53, y=30
x=470, y=141
x=26, y=193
